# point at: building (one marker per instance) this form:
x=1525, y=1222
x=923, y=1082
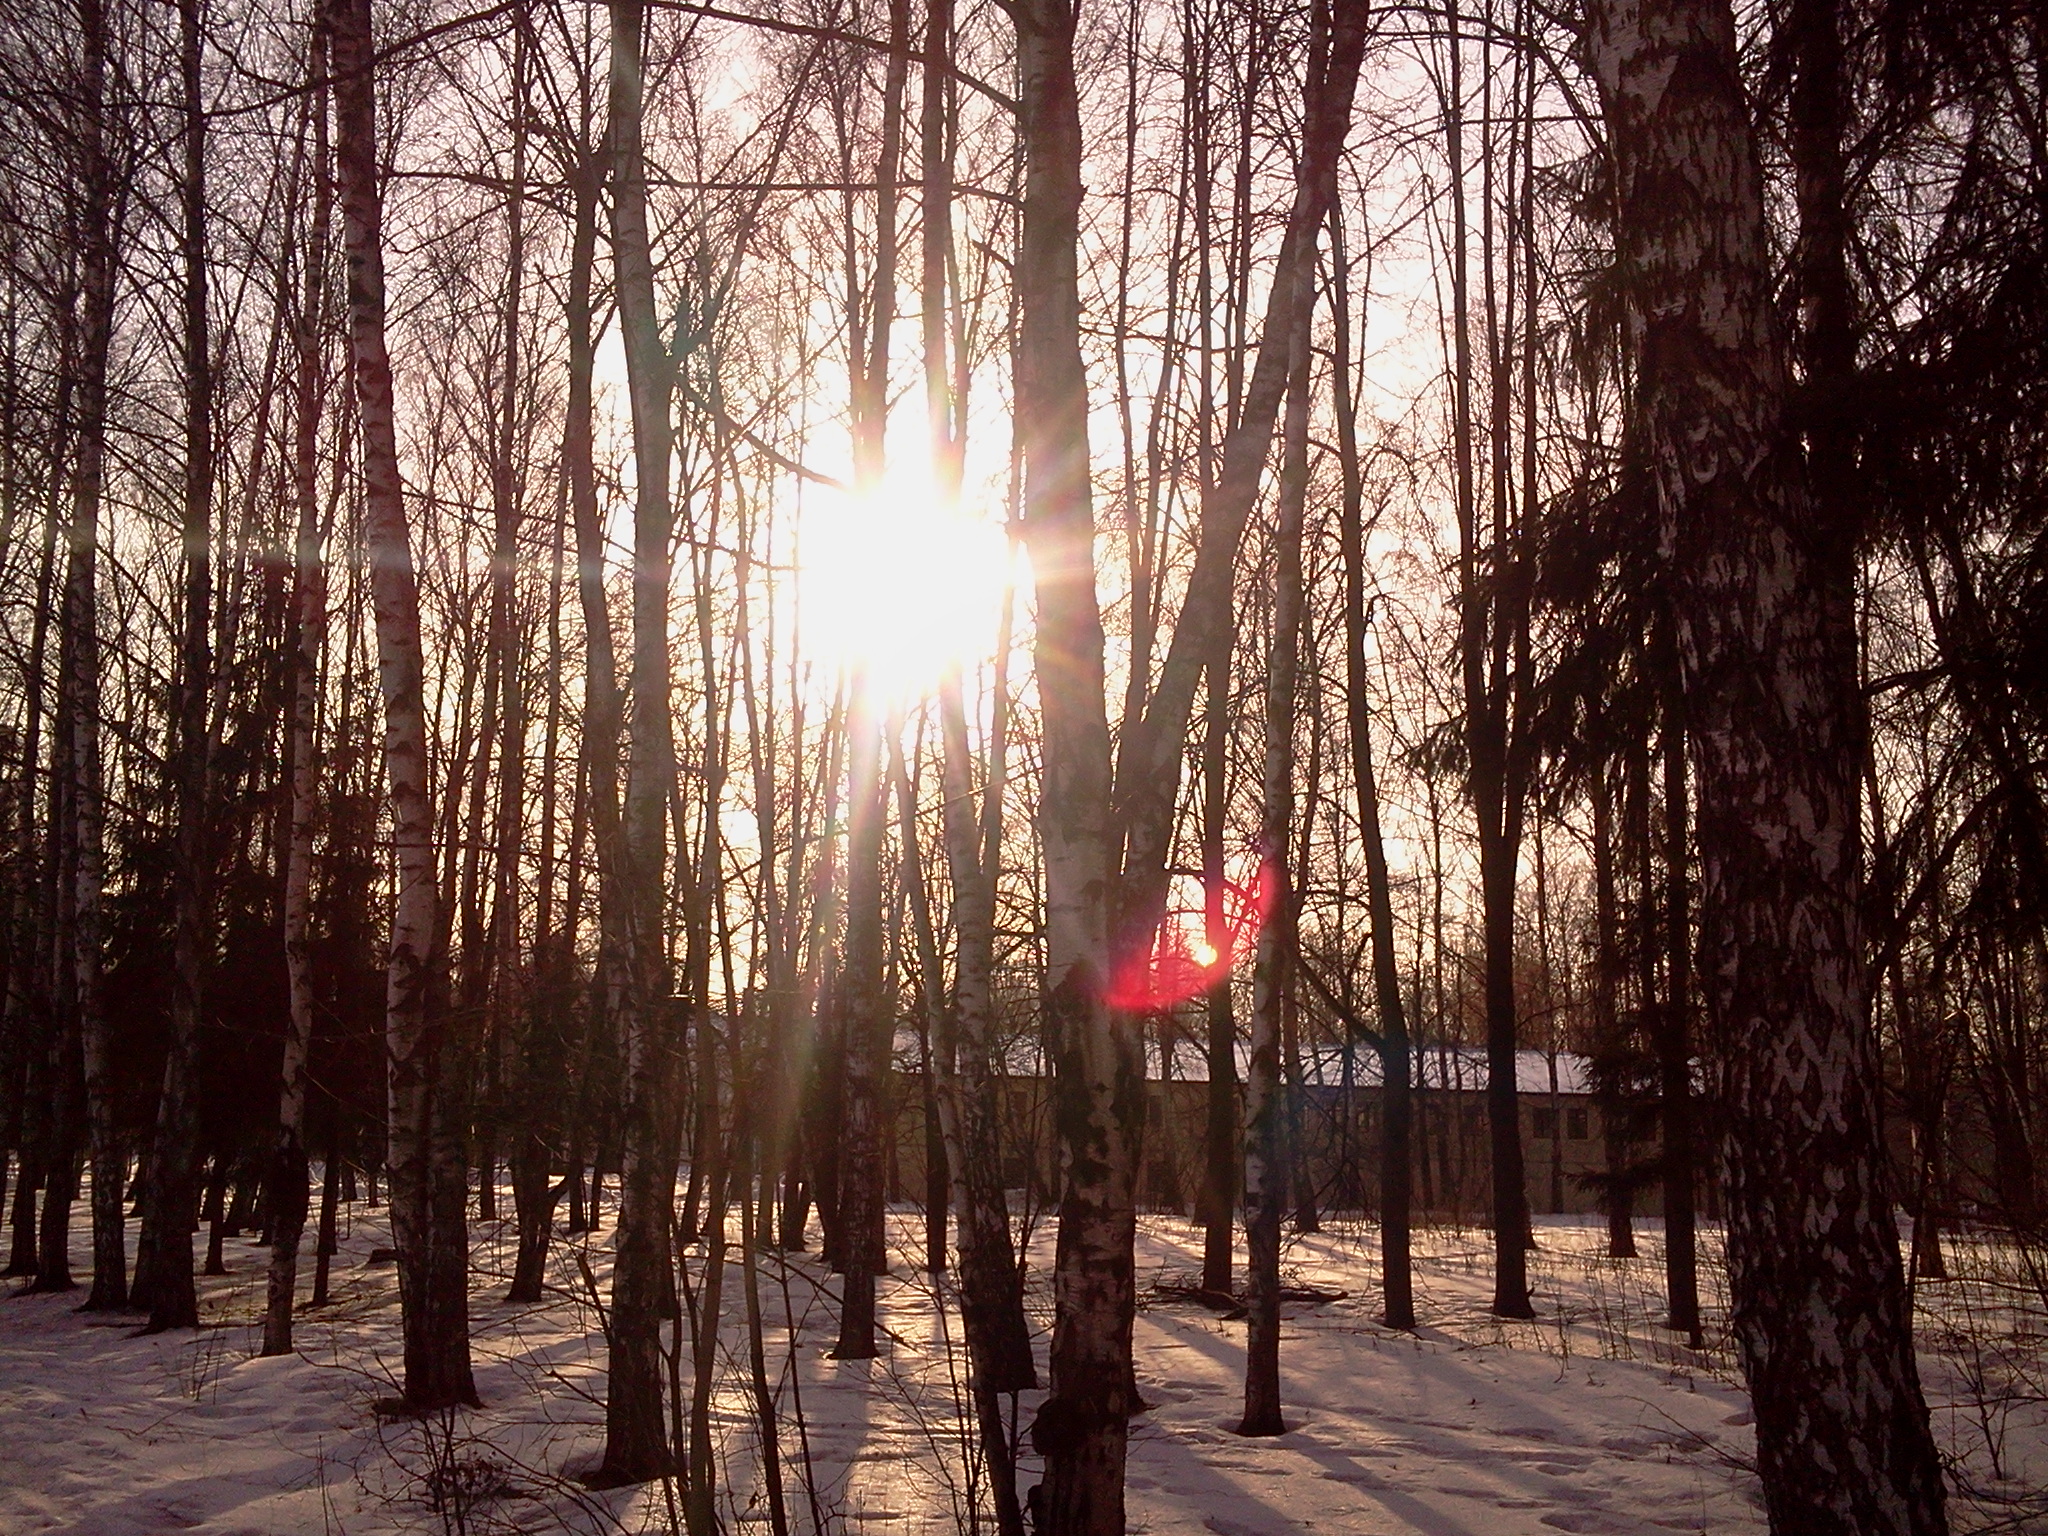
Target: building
x=1335, y=1113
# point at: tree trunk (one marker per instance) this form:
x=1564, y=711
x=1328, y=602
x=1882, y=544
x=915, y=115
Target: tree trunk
x=1674, y=1043
x=991, y=1296
x=868, y=1017
x=1767, y=633
x=1614, y=1130
x=60, y=1172
x=869, y=1026
x=700, y=1480
x=289, y=1162
x=1266, y=1152
x=992, y=1301
x=1221, y=1164
x=601, y=701
x=964, y=1054
x=84, y=805
x=63, y=1074
x=1099, y=1068
x=428, y=1179
x=213, y=1212
x=1397, y=1282
x=325, y=1243
x=938, y=1176
x=543, y=1116
x=64, y=1071
x=636, y=1444
x=757, y=1358
x=1490, y=622
x=21, y=1214
x=172, y=1186
x=521, y=1020
x=25, y=1024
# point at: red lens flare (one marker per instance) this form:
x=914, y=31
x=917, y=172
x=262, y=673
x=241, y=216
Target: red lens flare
x=1181, y=964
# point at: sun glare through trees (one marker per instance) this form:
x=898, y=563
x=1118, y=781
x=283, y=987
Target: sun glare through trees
x=900, y=583
x=893, y=767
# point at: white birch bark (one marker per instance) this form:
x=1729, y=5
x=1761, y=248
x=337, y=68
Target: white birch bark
x=428, y=1222
x=1765, y=597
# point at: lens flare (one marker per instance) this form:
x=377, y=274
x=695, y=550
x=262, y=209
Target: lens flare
x=1181, y=963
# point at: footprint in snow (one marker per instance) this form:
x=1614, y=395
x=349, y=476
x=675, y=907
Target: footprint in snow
x=1586, y=1522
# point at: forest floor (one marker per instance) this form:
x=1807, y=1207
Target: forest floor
x=1591, y=1419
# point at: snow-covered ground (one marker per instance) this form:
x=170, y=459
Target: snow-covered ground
x=1591, y=1419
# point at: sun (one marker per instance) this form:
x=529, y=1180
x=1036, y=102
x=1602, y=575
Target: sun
x=899, y=583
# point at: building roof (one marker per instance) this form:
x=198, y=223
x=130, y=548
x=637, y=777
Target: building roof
x=1465, y=1067
x=1454, y=1067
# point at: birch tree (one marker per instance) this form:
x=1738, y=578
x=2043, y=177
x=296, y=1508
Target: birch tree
x=1081, y=1429
x=309, y=619
x=428, y=1183
x=172, y=1192
x=636, y=1443
x=1767, y=636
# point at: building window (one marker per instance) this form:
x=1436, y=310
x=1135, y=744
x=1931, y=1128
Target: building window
x=1575, y=1124
x=1545, y=1121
